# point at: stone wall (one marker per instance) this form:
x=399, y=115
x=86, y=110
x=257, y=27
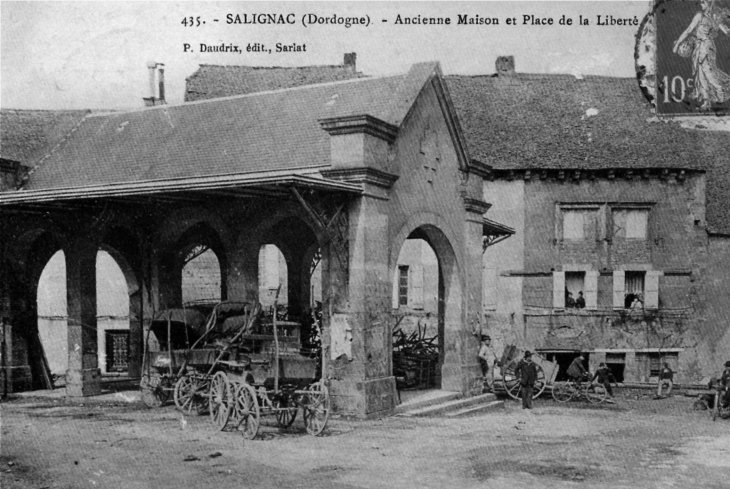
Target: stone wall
x=676, y=248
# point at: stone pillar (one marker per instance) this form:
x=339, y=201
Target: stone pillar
x=468, y=378
x=243, y=272
x=136, y=329
x=359, y=350
x=83, y=376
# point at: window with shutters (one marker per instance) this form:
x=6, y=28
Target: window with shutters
x=575, y=289
x=636, y=289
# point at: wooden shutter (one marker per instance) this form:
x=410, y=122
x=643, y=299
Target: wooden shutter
x=619, y=283
x=651, y=289
x=591, y=290
x=559, y=290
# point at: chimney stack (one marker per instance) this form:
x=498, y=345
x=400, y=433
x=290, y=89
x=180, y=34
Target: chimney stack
x=505, y=65
x=157, y=84
x=350, y=61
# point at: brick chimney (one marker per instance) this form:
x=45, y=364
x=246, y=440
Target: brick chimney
x=350, y=61
x=505, y=65
x=157, y=84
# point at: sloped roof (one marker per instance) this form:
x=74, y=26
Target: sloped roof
x=26, y=133
x=215, y=81
x=256, y=133
x=526, y=121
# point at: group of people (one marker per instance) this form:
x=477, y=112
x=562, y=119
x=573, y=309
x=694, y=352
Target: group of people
x=574, y=302
x=527, y=372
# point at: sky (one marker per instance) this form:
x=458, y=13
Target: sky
x=78, y=55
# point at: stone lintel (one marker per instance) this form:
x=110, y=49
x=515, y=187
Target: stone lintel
x=360, y=124
x=362, y=175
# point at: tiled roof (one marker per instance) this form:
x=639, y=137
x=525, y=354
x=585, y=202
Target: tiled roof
x=261, y=132
x=215, y=81
x=524, y=121
x=26, y=133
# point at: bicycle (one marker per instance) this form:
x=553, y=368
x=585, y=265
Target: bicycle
x=566, y=391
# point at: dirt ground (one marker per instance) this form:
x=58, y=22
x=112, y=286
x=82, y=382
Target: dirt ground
x=118, y=443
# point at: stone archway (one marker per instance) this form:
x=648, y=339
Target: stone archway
x=450, y=300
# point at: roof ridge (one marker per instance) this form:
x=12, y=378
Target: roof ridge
x=273, y=67
x=248, y=95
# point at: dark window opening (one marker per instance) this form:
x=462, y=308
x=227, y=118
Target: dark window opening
x=563, y=359
x=616, y=363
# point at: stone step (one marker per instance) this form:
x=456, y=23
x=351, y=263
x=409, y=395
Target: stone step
x=451, y=406
x=478, y=409
x=428, y=398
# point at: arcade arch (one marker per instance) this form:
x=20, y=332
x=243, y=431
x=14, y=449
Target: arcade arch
x=427, y=300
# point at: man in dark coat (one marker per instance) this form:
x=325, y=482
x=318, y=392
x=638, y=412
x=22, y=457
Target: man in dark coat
x=526, y=372
x=577, y=370
x=604, y=376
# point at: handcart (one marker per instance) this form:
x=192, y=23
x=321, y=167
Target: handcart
x=511, y=356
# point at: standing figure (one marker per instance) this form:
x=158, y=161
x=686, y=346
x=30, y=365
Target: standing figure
x=487, y=359
x=666, y=377
x=577, y=370
x=604, y=376
x=725, y=381
x=526, y=371
x=711, y=85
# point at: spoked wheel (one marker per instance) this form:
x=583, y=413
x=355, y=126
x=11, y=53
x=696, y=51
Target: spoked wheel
x=191, y=394
x=562, y=392
x=152, y=390
x=511, y=381
x=286, y=412
x=595, y=393
x=245, y=411
x=316, y=408
x=219, y=400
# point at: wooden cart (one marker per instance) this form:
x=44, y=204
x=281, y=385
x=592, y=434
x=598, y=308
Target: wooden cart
x=257, y=369
x=510, y=385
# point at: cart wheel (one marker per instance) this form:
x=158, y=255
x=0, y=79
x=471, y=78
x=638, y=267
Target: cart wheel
x=562, y=392
x=286, y=412
x=511, y=381
x=246, y=411
x=219, y=400
x=316, y=409
x=152, y=392
x=191, y=395
x=595, y=393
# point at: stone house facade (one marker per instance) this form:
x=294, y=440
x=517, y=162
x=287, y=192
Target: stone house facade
x=606, y=202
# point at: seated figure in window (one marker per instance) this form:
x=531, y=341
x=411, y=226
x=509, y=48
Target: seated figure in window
x=580, y=302
x=629, y=300
x=569, y=300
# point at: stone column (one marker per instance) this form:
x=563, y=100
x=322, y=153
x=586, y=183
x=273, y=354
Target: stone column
x=361, y=380
x=83, y=376
x=471, y=375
